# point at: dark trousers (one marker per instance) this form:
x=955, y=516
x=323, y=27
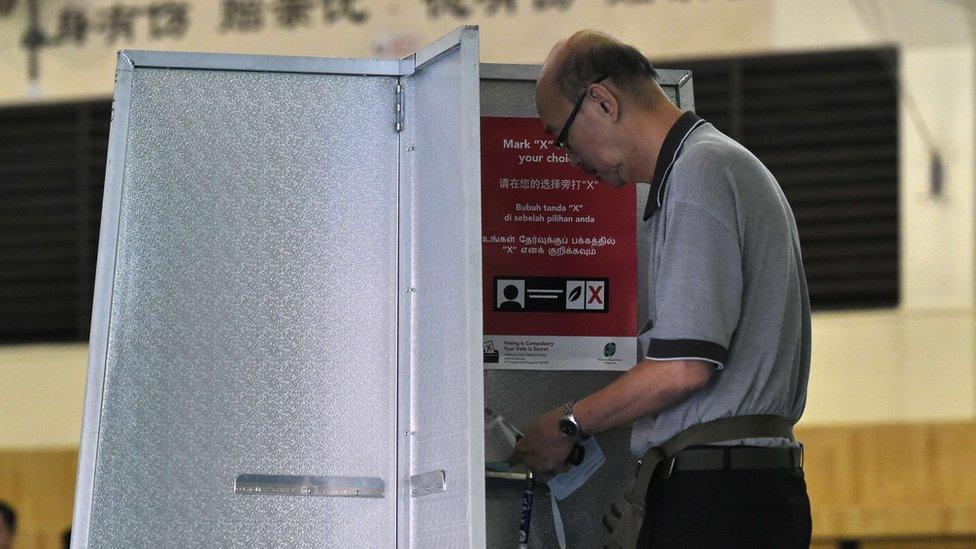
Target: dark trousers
x=728, y=508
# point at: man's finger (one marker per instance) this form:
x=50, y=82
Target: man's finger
x=544, y=477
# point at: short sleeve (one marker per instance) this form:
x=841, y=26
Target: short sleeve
x=698, y=287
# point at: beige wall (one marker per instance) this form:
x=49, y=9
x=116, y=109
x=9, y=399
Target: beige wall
x=916, y=362
x=41, y=395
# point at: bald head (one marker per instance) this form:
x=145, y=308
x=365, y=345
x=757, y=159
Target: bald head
x=577, y=61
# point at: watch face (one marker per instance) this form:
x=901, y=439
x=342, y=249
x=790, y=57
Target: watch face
x=567, y=427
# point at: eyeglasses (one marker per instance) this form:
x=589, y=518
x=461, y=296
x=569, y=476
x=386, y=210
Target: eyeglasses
x=564, y=133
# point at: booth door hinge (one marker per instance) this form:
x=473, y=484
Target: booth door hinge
x=398, y=121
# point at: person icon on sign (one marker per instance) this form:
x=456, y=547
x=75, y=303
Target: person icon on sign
x=511, y=293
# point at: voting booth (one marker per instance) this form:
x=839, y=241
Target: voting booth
x=288, y=343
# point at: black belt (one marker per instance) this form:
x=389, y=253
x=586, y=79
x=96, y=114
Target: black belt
x=710, y=458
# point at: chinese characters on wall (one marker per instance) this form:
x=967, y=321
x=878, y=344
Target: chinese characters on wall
x=77, y=23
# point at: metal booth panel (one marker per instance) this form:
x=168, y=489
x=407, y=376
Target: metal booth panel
x=440, y=148
x=245, y=305
x=521, y=395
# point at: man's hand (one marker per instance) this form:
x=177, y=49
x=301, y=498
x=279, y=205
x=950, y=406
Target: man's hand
x=544, y=449
x=648, y=387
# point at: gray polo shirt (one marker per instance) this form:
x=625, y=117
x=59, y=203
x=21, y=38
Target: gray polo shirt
x=725, y=284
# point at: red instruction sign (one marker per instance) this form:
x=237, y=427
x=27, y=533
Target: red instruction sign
x=559, y=255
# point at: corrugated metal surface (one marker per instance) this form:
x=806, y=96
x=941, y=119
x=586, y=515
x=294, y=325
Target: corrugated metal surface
x=441, y=163
x=253, y=313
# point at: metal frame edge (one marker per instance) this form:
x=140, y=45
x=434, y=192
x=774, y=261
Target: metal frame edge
x=680, y=79
x=102, y=303
x=504, y=71
x=686, y=92
x=405, y=296
x=442, y=45
x=671, y=77
x=471, y=182
x=265, y=63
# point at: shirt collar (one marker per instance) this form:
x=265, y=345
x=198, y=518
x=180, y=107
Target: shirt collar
x=670, y=149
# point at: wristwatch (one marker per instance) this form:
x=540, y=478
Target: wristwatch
x=567, y=424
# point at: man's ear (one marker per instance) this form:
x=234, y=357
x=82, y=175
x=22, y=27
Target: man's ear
x=607, y=101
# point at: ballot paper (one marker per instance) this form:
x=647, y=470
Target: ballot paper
x=564, y=484
x=500, y=439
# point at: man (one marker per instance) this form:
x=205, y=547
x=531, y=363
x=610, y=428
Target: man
x=727, y=333
x=8, y=525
